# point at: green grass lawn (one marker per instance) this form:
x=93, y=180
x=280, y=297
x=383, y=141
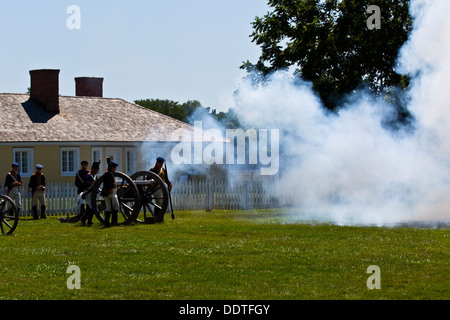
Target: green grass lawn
x=251, y=255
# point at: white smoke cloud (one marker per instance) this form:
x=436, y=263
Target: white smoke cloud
x=348, y=168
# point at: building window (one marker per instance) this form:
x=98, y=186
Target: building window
x=69, y=161
x=25, y=158
x=130, y=160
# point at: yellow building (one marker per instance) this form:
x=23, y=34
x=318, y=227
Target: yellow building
x=59, y=132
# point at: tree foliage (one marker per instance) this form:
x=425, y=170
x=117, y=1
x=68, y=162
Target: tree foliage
x=191, y=111
x=168, y=107
x=328, y=43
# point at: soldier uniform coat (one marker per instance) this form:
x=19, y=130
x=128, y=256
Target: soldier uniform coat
x=10, y=179
x=37, y=180
x=109, y=192
x=14, y=191
x=79, y=180
x=89, y=181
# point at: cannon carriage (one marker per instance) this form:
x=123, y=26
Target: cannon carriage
x=9, y=215
x=140, y=196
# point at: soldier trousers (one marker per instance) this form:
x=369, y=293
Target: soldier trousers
x=112, y=202
x=38, y=196
x=15, y=195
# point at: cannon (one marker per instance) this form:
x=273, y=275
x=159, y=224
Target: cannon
x=138, y=195
x=9, y=215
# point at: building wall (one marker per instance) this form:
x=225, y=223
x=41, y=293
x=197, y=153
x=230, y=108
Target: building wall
x=49, y=155
x=5, y=161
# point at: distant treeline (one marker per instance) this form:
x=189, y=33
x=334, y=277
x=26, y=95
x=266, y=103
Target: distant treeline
x=191, y=111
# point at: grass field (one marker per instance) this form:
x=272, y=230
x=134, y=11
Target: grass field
x=243, y=255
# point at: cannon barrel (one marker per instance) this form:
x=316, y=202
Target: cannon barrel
x=145, y=183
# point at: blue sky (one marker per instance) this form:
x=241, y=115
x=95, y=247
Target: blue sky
x=178, y=50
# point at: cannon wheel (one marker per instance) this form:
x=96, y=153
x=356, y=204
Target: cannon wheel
x=128, y=197
x=147, y=193
x=9, y=215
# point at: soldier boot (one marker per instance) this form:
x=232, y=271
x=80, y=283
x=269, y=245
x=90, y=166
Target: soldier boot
x=107, y=217
x=43, y=216
x=83, y=214
x=159, y=215
x=35, y=213
x=89, y=215
x=115, y=218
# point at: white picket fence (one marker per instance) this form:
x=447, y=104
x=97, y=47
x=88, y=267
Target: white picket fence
x=60, y=199
x=219, y=195
x=187, y=196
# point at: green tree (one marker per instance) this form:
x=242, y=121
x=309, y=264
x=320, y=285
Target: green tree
x=229, y=119
x=168, y=107
x=190, y=107
x=190, y=111
x=328, y=43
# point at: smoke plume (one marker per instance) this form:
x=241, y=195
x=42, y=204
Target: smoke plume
x=351, y=169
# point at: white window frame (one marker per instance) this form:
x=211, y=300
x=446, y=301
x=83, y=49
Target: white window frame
x=76, y=161
x=30, y=152
x=130, y=160
x=100, y=152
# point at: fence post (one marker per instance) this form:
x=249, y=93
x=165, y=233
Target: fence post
x=208, y=195
x=244, y=196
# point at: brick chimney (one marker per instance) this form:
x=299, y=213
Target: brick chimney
x=89, y=87
x=45, y=89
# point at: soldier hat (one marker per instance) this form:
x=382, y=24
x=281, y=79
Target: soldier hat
x=160, y=159
x=15, y=164
x=84, y=162
x=39, y=166
x=113, y=164
x=96, y=165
